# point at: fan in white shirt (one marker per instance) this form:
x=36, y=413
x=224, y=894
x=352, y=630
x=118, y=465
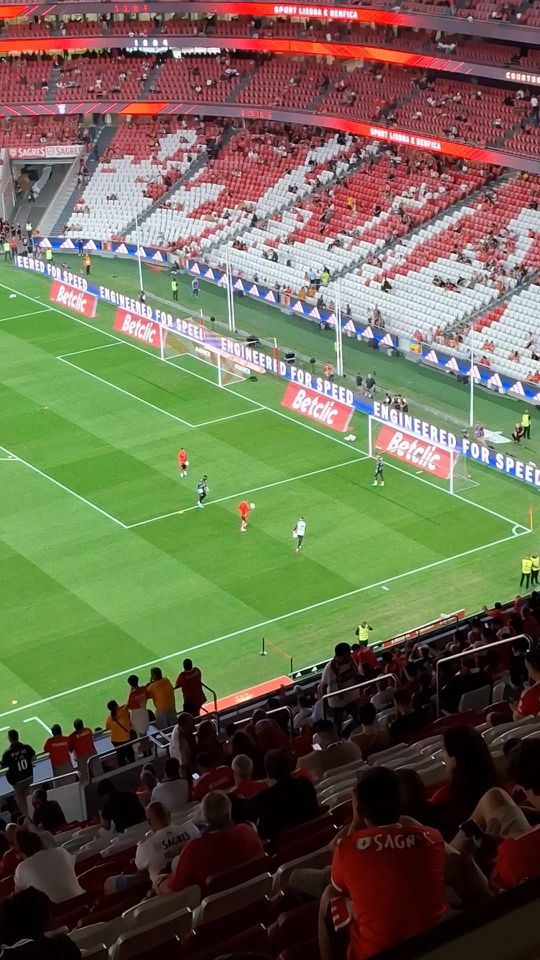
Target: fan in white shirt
x=50, y=870
x=164, y=843
x=172, y=792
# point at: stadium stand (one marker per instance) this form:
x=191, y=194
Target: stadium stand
x=271, y=901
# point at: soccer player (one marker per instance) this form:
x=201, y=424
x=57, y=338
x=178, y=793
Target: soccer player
x=299, y=532
x=243, y=508
x=202, y=490
x=195, y=287
x=183, y=462
x=378, y=477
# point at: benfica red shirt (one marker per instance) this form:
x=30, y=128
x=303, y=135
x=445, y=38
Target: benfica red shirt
x=395, y=878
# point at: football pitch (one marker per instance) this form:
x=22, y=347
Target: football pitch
x=108, y=567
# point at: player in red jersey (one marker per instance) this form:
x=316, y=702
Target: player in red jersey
x=183, y=462
x=244, y=508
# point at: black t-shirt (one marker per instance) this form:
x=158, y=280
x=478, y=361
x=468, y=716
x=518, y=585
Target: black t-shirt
x=124, y=809
x=50, y=816
x=286, y=804
x=18, y=760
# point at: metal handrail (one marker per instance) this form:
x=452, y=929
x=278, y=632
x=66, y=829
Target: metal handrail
x=472, y=652
x=114, y=750
x=244, y=722
x=359, y=686
x=214, y=698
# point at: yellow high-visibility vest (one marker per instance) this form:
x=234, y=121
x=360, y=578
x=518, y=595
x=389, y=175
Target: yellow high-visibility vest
x=535, y=562
x=526, y=420
x=526, y=565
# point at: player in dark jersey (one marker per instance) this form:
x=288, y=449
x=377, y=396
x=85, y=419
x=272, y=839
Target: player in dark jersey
x=202, y=491
x=378, y=477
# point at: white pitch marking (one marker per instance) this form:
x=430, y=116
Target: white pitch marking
x=37, y=720
x=63, y=487
x=384, y=587
x=75, y=353
x=392, y=466
x=232, y=496
x=262, y=406
x=232, y=416
x=126, y=393
x=263, y=623
x=19, y=316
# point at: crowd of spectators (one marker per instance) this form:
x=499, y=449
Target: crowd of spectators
x=406, y=855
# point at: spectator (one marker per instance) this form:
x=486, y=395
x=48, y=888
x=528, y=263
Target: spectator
x=172, y=791
x=57, y=746
x=340, y=673
x=189, y=681
x=121, y=732
x=147, y=782
x=242, y=744
x=51, y=870
x=333, y=752
x=48, y=814
x=423, y=698
x=121, y=808
x=223, y=846
x=207, y=742
x=408, y=722
x=183, y=743
x=25, y=919
x=138, y=714
x=289, y=802
x=12, y=856
x=164, y=842
x=268, y=734
x=392, y=872
x=529, y=702
x=157, y=850
x=81, y=744
x=244, y=786
x=500, y=818
x=473, y=772
x=211, y=777
x=161, y=691
x=18, y=761
x=368, y=736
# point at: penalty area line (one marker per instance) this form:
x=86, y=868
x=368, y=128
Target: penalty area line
x=232, y=496
x=265, y=623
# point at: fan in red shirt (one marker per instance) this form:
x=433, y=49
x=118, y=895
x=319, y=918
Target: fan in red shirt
x=57, y=746
x=393, y=873
x=189, y=681
x=211, y=778
x=81, y=743
x=243, y=509
x=183, y=462
x=223, y=846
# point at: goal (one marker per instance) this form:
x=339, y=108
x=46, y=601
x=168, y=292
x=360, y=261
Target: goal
x=423, y=456
x=229, y=370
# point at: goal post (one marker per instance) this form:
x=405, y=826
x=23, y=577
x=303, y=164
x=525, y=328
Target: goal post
x=228, y=369
x=448, y=465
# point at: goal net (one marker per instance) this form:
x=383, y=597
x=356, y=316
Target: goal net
x=445, y=467
x=228, y=368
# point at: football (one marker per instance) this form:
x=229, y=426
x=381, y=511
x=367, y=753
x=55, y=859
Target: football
x=252, y=506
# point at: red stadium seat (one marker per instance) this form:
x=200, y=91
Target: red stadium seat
x=226, y=879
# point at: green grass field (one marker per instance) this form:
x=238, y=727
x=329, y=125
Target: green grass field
x=108, y=568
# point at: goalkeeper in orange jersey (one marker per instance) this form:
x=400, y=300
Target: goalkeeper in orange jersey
x=183, y=462
x=243, y=509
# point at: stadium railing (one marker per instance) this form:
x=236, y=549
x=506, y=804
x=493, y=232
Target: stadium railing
x=472, y=652
x=358, y=686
